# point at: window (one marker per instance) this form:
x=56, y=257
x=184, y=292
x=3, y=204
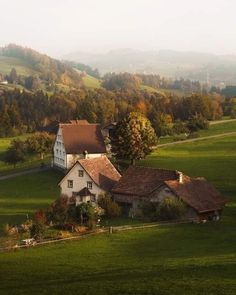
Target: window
x=70, y=183
x=89, y=184
x=81, y=173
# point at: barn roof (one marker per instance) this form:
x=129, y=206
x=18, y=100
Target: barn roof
x=195, y=192
x=141, y=181
x=198, y=194
x=81, y=137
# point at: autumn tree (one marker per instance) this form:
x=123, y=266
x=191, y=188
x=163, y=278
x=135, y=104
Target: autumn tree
x=40, y=143
x=134, y=138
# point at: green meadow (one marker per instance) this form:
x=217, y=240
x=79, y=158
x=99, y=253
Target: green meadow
x=179, y=259
x=31, y=161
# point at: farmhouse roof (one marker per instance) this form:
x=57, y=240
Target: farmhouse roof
x=198, y=194
x=101, y=171
x=141, y=181
x=82, y=137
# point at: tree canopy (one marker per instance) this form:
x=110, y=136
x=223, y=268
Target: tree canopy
x=134, y=137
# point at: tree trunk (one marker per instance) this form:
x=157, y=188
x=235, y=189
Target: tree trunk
x=133, y=162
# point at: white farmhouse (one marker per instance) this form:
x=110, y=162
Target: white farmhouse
x=88, y=178
x=77, y=140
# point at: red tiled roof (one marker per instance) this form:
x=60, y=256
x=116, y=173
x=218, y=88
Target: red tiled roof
x=198, y=194
x=141, y=181
x=102, y=172
x=83, y=137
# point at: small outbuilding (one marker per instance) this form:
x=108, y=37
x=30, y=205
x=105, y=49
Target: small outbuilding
x=142, y=184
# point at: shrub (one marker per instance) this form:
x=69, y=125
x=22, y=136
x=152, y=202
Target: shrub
x=111, y=208
x=197, y=122
x=86, y=213
x=37, y=230
x=170, y=209
x=58, y=211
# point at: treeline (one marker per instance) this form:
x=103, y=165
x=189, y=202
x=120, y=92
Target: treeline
x=27, y=112
x=47, y=70
x=112, y=81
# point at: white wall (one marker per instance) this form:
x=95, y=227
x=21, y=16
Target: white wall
x=59, y=154
x=78, y=182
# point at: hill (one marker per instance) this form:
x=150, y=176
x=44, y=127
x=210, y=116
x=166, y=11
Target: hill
x=205, y=67
x=35, y=70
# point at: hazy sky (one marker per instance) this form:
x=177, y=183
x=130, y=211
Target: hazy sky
x=57, y=27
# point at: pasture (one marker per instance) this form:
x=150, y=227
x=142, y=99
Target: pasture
x=178, y=259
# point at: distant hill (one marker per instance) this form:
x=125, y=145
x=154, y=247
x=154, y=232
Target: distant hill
x=36, y=69
x=205, y=67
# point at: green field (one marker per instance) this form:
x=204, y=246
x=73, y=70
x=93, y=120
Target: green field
x=22, y=67
x=91, y=82
x=25, y=194
x=215, y=128
x=163, y=91
x=31, y=161
x=184, y=259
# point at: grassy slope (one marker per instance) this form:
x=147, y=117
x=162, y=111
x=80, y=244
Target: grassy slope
x=32, y=161
x=214, y=129
x=22, y=68
x=163, y=91
x=91, y=82
x=25, y=194
x=184, y=259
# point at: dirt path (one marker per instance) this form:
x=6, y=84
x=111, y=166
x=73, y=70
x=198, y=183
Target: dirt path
x=196, y=139
x=222, y=121
x=25, y=172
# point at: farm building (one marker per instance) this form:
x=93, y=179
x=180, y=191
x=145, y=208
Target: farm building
x=88, y=178
x=142, y=184
x=77, y=140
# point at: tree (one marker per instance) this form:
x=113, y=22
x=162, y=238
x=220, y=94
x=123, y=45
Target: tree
x=13, y=76
x=58, y=211
x=111, y=208
x=40, y=143
x=87, y=213
x=15, y=153
x=133, y=138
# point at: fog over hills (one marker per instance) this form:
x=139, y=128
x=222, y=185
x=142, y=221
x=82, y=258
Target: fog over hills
x=204, y=67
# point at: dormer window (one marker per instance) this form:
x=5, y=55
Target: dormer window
x=81, y=173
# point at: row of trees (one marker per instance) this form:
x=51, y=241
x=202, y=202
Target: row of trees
x=27, y=112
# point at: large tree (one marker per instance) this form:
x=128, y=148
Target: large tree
x=40, y=143
x=15, y=153
x=134, y=138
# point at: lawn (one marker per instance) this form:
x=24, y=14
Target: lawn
x=31, y=161
x=214, y=129
x=24, y=194
x=179, y=259
x=186, y=259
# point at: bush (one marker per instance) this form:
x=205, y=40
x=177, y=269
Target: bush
x=193, y=135
x=58, y=211
x=37, y=230
x=111, y=208
x=170, y=209
x=86, y=213
x=197, y=122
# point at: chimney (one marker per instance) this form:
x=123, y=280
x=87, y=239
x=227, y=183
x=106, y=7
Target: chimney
x=180, y=176
x=85, y=154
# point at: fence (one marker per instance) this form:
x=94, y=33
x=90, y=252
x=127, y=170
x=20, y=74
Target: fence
x=111, y=229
